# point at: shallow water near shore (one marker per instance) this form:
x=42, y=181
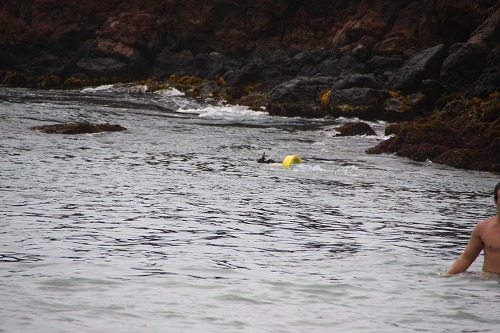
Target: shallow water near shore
x=172, y=226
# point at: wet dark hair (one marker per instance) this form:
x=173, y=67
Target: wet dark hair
x=495, y=194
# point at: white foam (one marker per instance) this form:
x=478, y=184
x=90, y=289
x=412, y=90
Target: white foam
x=118, y=87
x=225, y=112
x=99, y=88
x=170, y=92
x=306, y=167
x=350, y=170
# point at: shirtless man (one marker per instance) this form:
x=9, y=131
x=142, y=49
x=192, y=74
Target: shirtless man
x=485, y=236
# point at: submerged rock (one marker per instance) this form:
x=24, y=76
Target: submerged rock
x=78, y=128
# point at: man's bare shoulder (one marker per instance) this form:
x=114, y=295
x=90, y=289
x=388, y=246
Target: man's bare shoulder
x=487, y=223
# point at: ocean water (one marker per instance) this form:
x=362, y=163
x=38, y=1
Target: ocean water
x=172, y=226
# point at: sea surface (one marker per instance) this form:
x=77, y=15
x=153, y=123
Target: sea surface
x=172, y=226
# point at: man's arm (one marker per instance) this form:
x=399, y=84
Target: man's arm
x=470, y=253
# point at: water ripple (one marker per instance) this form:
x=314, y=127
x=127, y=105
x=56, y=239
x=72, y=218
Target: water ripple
x=173, y=226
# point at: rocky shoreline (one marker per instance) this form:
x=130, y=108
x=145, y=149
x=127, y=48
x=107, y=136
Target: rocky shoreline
x=430, y=68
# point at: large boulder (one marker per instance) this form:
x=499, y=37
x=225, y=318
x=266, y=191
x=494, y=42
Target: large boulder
x=139, y=30
x=364, y=103
x=399, y=107
x=423, y=65
x=357, y=80
x=278, y=63
x=383, y=63
x=489, y=81
x=247, y=73
x=464, y=66
x=108, y=67
x=355, y=128
x=299, y=97
x=47, y=64
x=167, y=63
x=129, y=38
x=476, y=60
x=207, y=66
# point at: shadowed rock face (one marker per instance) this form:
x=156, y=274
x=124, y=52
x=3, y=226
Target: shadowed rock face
x=136, y=31
x=78, y=128
x=424, y=65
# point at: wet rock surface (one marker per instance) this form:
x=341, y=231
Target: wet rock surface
x=78, y=128
x=464, y=134
x=355, y=128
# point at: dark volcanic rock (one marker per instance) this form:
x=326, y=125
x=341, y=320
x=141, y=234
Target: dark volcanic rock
x=136, y=32
x=475, y=65
x=78, y=128
x=489, y=81
x=423, y=65
x=399, y=107
x=464, y=66
x=102, y=66
x=358, y=81
x=299, y=97
x=248, y=73
x=432, y=90
x=46, y=64
x=167, y=63
x=381, y=63
x=365, y=103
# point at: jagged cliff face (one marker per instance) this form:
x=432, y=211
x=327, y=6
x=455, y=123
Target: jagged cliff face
x=225, y=26
x=138, y=38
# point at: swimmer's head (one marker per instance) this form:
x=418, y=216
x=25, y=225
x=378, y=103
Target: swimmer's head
x=495, y=194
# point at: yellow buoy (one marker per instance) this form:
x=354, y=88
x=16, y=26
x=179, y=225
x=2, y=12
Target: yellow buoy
x=291, y=159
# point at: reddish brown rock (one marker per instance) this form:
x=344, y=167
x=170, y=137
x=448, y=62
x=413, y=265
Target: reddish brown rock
x=78, y=128
x=355, y=128
x=137, y=30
